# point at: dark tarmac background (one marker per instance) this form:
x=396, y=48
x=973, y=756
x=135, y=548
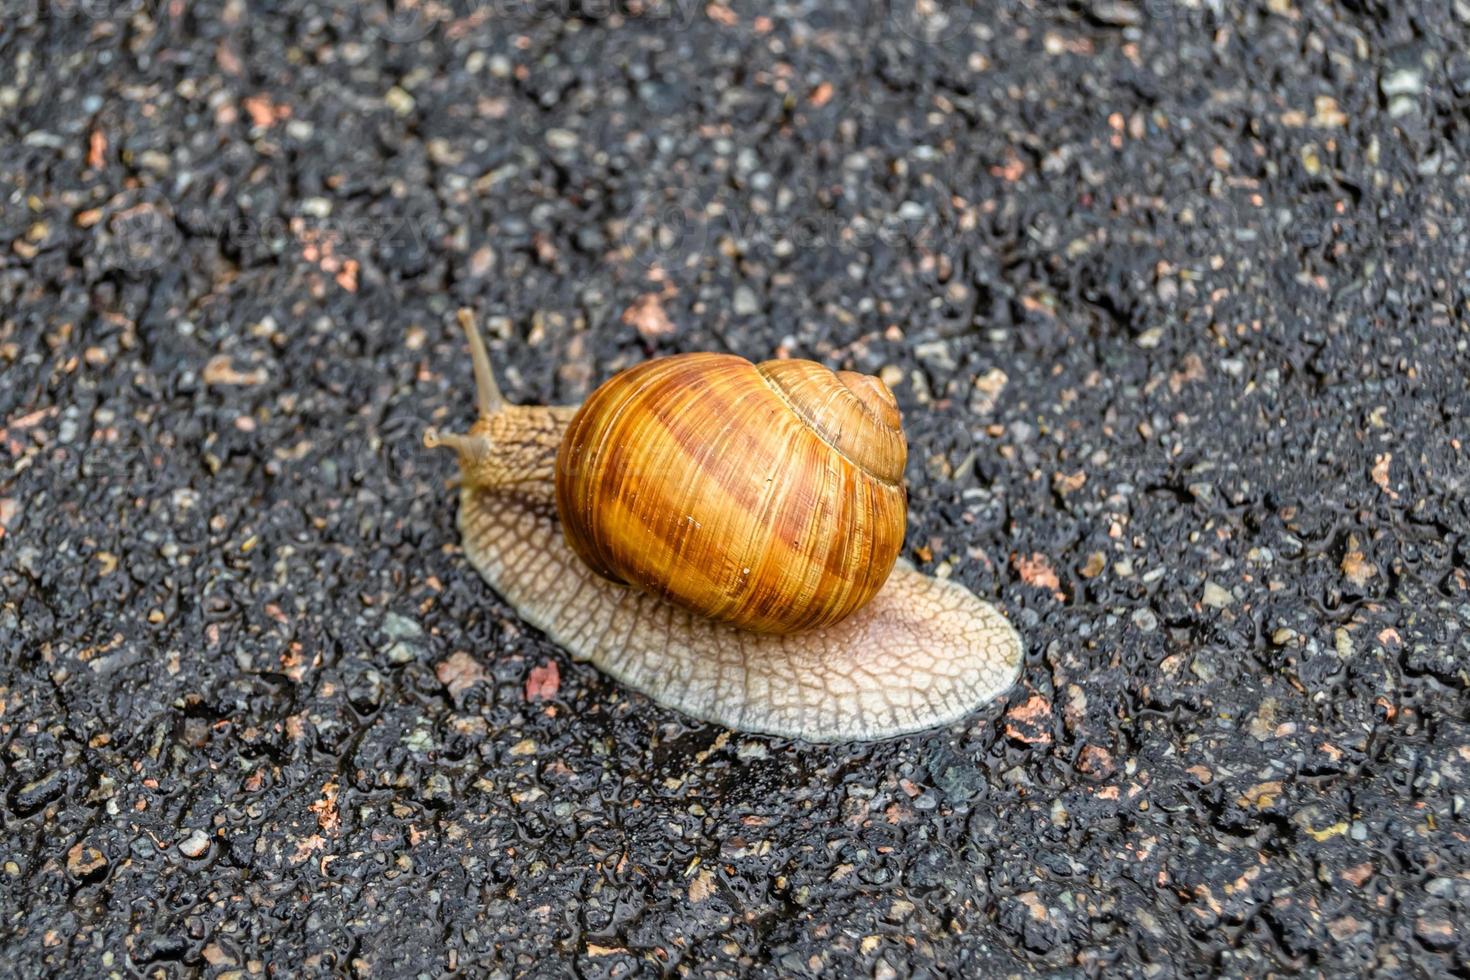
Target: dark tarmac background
x=1173, y=294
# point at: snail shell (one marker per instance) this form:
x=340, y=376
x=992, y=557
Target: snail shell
x=924, y=652
x=766, y=496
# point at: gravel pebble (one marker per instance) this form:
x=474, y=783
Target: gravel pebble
x=196, y=844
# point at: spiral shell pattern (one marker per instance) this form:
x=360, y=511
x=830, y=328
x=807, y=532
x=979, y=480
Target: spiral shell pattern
x=769, y=496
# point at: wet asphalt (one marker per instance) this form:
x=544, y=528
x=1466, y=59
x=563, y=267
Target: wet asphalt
x=1173, y=294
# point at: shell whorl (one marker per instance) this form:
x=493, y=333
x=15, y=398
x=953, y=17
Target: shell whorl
x=853, y=413
x=767, y=496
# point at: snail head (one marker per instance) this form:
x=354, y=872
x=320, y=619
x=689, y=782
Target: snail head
x=507, y=446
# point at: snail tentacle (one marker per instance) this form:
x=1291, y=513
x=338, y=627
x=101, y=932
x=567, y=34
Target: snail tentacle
x=488, y=398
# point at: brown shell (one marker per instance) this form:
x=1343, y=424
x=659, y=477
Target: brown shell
x=769, y=496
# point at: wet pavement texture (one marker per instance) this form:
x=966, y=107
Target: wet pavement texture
x=1173, y=294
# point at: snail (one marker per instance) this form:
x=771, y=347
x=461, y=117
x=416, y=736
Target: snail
x=724, y=537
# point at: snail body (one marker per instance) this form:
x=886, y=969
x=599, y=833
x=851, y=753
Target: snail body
x=724, y=537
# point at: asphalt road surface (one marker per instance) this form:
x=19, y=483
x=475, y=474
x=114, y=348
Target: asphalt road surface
x=1173, y=294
